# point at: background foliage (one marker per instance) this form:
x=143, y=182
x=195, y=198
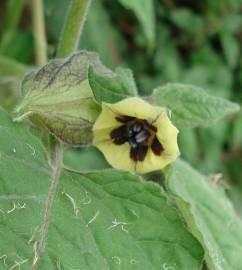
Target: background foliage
x=192, y=42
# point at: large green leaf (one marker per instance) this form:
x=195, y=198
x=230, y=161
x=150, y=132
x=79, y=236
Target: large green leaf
x=191, y=106
x=209, y=214
x=85, y=159
x=102, y=220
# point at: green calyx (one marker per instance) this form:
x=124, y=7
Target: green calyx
x=58, y=98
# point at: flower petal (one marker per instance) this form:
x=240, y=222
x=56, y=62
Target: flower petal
x=136, y=107
x=106, y=119
x=117, y=155
x=167, y=135
x=153, y=162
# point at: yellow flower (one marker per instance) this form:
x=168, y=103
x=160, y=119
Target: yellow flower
x=136, y=136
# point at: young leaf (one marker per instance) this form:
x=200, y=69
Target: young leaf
x=58, y=97
x=191, y=106
x=101, y=220
x=209, y=214
x=112, y=87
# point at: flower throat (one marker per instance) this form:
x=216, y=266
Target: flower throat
x=139, y=134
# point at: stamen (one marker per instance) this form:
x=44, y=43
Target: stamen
x=119, y=135
x=124, y=118
x=120, y=140
x=157, y=147
x=139, y=153
x=150, y=126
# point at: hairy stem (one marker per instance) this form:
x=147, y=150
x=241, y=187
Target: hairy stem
x=39, y=32
x=73, y=26
x=55, y=147
x=56, y=157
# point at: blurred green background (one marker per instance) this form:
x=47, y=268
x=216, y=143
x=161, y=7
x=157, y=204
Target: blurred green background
x=192, y=42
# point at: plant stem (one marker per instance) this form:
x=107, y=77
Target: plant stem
x=73, y=26
x=56, y=157
x=39, y=32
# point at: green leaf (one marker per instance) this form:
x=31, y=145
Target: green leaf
x=85, y=159
x=237, y=132
x=112, y=87
x=187, y=20
x=215, y=78
x=209, y=215
x=10, y=68
x=191, y=106
x=231, y=23
x=231, y=48
x=8, y=94
x=101, y=220
x=108, y=42
x=58, y=98
x=189, y=145
x=18, y=46
x=14, y=9
x=211, y=141
x=12, y=16
x=144, y=10
x=11, y=73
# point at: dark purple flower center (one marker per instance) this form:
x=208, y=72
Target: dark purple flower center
x=139, y=134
